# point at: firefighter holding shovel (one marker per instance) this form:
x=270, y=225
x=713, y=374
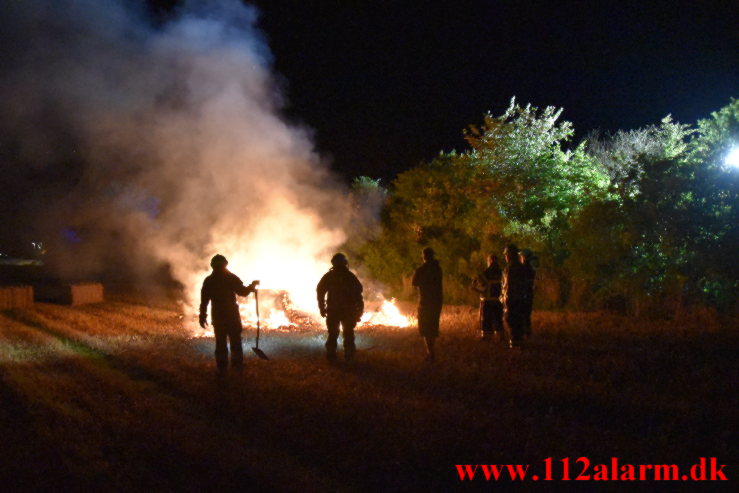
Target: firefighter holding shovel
x=220, y=289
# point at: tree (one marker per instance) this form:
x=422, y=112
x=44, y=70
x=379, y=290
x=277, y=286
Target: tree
x=433, y=204
x=624, y=243
x=535, y=183
x=712, y=202
x=641, y=219
x=624, y=154
x=516, y=183
x=670, y=218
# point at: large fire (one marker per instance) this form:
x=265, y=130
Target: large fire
x=287, y=291
x=277, y=312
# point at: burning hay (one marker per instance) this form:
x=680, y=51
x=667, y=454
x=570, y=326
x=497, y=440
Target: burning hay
x=386, y=314
x=279, y=313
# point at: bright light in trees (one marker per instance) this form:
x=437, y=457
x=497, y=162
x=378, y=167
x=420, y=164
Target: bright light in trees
x=732, y=158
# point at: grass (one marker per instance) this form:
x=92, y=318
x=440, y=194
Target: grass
x=118, y=397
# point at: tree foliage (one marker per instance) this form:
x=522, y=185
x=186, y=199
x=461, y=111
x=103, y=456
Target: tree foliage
x=534, y=180
x=637, y=219
x=675, y=206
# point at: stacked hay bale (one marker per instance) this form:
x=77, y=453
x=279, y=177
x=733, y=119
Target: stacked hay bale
x=70, y=294
x=16, y=297
x=81, y=294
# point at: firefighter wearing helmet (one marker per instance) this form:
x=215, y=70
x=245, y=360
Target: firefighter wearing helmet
x=340, y=302
x=219, y=290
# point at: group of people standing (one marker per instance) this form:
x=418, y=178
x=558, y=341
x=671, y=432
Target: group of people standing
x=506, y=299
x=507, y=295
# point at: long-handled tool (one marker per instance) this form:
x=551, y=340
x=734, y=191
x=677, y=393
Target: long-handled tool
x=256, y=349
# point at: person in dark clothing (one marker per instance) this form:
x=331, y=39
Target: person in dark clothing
x=487, y=285
x=220, y=289
x=427, y=279
x=341, y=304
x=525, y=257
x=513, y=296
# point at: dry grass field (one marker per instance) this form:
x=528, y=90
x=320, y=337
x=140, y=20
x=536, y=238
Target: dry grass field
x=117, y=397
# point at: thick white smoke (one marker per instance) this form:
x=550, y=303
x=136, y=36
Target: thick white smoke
x=176, y=142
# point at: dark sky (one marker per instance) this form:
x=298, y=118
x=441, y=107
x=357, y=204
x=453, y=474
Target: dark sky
x=388, y=84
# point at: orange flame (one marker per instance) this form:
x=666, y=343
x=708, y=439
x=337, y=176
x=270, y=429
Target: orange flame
x=387, y=314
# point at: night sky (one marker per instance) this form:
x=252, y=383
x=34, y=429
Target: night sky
x=386, y=85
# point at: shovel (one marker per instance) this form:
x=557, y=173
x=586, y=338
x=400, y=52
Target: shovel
x=256, y=349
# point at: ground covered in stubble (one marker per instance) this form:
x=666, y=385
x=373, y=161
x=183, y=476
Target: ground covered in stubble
x=117, y=397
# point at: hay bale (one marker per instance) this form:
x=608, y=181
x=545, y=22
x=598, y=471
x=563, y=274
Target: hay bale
x=16, y=297
x=70, y=294
x=81, y=294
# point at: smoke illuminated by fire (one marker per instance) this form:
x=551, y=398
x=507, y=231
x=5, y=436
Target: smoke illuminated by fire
x=171, y=140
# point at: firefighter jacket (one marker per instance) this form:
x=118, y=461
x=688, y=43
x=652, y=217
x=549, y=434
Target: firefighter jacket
x=339, y=293
x=220, y=289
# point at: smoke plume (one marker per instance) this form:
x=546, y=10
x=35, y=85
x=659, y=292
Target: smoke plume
x=131, y=144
